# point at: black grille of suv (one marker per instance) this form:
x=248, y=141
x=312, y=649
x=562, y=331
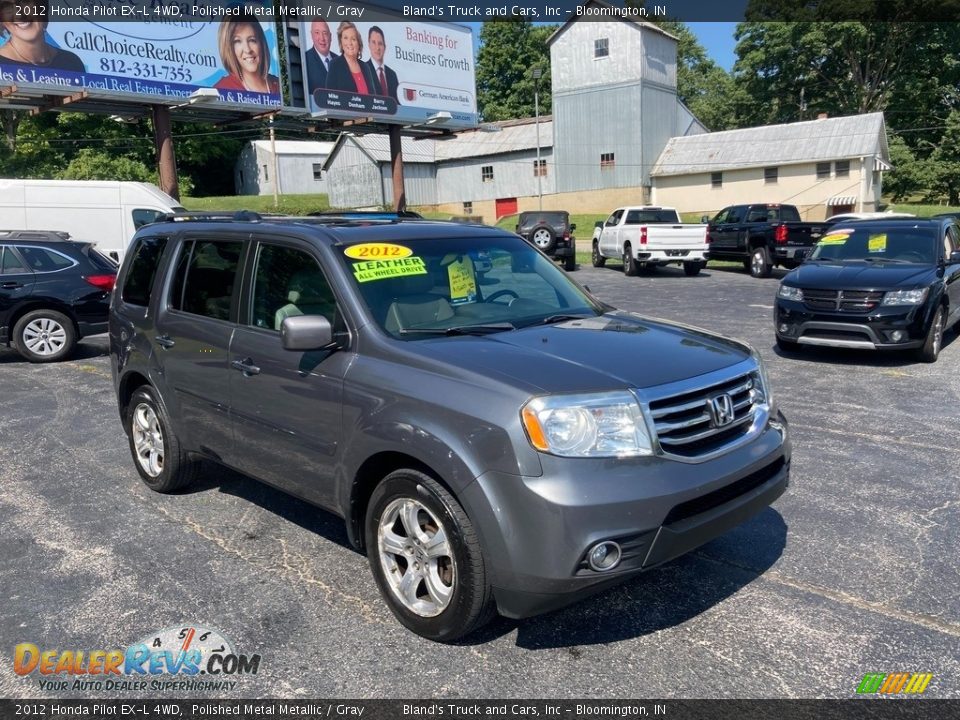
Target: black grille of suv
x=688, y=426
x=852, y=301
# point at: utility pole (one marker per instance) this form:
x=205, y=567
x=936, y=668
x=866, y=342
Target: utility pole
x=537, y=74
x=276, y=166
x=166, y=159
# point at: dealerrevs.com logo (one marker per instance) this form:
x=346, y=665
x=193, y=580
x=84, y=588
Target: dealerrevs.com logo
x=186, y=658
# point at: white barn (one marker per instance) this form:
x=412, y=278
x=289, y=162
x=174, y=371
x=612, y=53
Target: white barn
x=300, y=164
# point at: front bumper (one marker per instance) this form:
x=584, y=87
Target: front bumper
x=794, y=322
x=536, y=530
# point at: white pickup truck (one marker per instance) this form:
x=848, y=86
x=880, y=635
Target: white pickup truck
x=649, y=236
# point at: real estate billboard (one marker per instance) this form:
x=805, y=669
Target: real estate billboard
x=394, y=71
x=235, y=54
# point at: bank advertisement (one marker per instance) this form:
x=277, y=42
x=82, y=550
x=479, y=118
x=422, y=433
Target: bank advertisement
x=396, y=71
x=234, y=53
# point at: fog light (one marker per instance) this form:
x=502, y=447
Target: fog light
x=784, y=328
x=604, y=556
x=898, y=335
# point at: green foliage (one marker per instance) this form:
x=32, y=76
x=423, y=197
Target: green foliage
x=91, y=164
x=945, y=162
x=505, y=85
x=909, y=174
x=289, y=204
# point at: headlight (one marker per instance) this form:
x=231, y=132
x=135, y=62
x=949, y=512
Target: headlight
x=790, y=293
x=600, y=425
x=762, y=392
x=905, y=297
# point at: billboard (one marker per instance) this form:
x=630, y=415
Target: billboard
x=395, y=71
x=236, y=55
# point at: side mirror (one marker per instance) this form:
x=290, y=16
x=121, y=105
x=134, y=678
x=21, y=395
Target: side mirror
x=954, y=258
x=704, y=219
x=573, y=226
x=518, y=229
x=306, y=332
x=598, y=224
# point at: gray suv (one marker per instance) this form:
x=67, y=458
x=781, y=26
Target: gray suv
x=495, y=441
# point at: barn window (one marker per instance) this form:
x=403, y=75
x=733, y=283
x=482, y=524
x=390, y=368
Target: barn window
x=468, y=207
x=266, y=175
x=318, y=171
x=601, y=47
x=486, y=173
x=716, y=179
x=770, y=174
x=606, y=161
x=539, y=168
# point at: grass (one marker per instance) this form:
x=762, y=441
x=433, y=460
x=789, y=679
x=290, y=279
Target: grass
x=289, y=204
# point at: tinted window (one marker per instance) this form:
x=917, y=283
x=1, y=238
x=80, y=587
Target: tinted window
x=98, y=259
x=139, y=281
x=44, y=260
x=759, y=215
x=789, y=214
x=143, y=217
x=638, y=217
x=10, y=263
x=289, y=282
x=206, y=274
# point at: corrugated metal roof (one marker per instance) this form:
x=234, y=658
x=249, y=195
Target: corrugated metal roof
x=297, y=147
x=378, y=147
x=828, y=139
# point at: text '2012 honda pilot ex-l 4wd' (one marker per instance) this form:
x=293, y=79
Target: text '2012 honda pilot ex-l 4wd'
x=495, y=439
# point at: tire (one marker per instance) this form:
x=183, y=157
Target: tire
x=693, y=268
x=788, y=345
x=543, y=238
x=43, y=336
x=454, y=596
x=570, y=263
x=760, y=266
x=930, y=350
x=156, y=450
x=630, y=268
x=596, y=258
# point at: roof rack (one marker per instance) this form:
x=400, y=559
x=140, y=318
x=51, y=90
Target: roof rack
x=236, y=216
x=368, y=215
x=34, y=234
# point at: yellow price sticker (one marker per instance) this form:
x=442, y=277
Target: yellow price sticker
x=383, y=269
x=377, y=251
x=834, y=239
x=877, y=243
x=463, y=281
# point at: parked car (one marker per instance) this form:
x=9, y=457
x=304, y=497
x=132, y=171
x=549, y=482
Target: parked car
x=53, y=292
x=646, y=237
x=507, y=443
x=762, y=236
x=876, y=285
x=552, y=233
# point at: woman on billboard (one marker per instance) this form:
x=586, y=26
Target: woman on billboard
x=26, y=42
x=347, y=72
x=245, y=57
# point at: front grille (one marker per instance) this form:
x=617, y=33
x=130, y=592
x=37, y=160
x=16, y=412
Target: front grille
x=851, y=301
x=686, y=426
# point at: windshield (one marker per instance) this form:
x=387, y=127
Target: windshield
x=451, y=286
x=904, y=244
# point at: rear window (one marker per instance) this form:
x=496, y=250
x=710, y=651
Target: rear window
x=638, y=217
x=789, y=213
x=98, y=259
x=554, y=218
x=138, y=284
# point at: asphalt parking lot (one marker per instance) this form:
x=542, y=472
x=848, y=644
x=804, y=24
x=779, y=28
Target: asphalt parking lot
x=854, y=570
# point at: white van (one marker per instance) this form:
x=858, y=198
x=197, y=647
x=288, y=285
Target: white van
x=103, y=212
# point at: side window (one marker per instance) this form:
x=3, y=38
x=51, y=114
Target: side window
x=289, y=282
x=138, y=284
x=951, y=241
x=10, y=263
x=206, y=276
x=736, y=214
x=758, y=214
x=43, y=260
x=143, y=217
x=615, y=218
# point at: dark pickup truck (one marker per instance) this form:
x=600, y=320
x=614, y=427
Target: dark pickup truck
x=762, y=236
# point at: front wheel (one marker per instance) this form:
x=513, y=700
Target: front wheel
x=930, y=350
x=43, y=336
x=426, y=558
x=596, y=258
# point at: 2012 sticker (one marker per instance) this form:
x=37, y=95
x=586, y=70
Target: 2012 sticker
x=377, y=251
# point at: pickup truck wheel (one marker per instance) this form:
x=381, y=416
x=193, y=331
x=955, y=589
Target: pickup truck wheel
x=930, y=350
x=43, y=336
x=596, y=258
x=760, y=266
x=693, y=268
x=160, y=460
x=630, y=268
x=544, y=239
x=425, y=556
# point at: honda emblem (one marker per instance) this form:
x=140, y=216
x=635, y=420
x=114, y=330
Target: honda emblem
x=721, y=410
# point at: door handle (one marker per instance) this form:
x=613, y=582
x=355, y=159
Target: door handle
x=165, y=341
x=245, y=366
x=10, y=285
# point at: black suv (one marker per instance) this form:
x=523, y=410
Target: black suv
x=53, y=291
x=551, y=232
x=887, y=284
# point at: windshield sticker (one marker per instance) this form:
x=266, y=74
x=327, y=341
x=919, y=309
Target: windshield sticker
x=383, y=269
x=377, y=251
x=834, y=239
x=877, y=243
x=463, y=282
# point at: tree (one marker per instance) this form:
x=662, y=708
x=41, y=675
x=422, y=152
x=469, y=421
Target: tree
x=505, y=86
x=909, y=175
x=945, y=161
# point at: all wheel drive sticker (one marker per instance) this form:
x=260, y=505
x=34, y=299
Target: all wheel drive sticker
x=184, y=658
x=379, y=261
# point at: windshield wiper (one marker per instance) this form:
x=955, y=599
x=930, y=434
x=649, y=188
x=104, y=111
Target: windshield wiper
x=562, y=317
x=460, y=329
x=883, y=260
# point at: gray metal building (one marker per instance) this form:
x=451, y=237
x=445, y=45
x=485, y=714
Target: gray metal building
x=299, y=162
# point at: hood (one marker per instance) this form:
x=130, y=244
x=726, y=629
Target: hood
x=615, y=351
x=859, y=276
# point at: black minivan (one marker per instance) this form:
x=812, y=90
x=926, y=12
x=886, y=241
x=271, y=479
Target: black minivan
x=53, y=292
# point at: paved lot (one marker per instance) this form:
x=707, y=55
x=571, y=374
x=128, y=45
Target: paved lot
x=854, y=570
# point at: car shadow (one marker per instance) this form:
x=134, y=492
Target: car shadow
x=866, y=358
x=87, y=349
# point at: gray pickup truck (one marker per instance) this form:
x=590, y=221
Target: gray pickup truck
x=762, y=236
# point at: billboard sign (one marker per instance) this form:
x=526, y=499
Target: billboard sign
x=395, y=71
x=236, y=55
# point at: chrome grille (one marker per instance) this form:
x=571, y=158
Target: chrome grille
x=686, y=426
x=852, y=301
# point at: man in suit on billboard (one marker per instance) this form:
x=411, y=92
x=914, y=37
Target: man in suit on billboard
x=319, y=57
x=385, y=79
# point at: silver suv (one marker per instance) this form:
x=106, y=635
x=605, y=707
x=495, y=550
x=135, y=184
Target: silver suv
x=495, y=441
